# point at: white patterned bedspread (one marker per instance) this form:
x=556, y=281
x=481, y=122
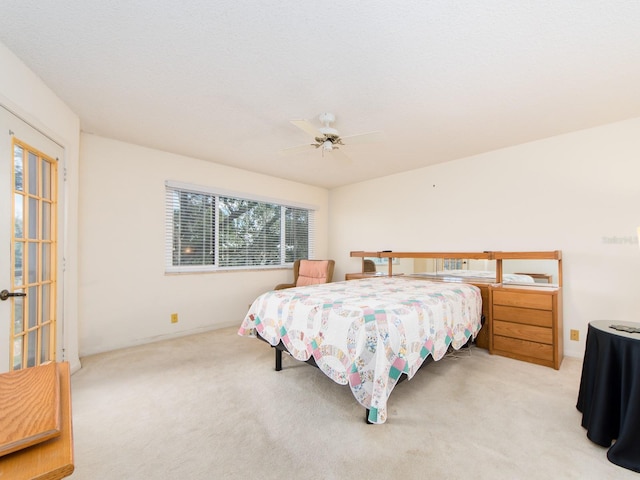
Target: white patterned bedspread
x=367, y=332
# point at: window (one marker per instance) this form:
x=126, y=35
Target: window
x=209, y=230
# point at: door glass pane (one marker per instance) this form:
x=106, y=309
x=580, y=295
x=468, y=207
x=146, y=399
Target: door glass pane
x=44, y=344
x=32, y=258
x=32, y=311
x=33, y=218
x=18, y=314
x=17, y=352
x=46, y=180
x=31, y=349
x=33, y=255
x=18, y=263
x=46, y=262
x=18, y=215
x=18, y=166
x=44, y=304
x=46, y=221
x=32, y=174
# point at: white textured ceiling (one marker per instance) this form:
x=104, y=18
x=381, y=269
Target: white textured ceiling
x=220, y=80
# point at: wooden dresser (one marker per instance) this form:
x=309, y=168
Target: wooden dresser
x=526, y=324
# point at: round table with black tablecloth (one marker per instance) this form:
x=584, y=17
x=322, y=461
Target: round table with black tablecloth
x=609, y=396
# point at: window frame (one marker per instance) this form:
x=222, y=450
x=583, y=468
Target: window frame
x=171, y=186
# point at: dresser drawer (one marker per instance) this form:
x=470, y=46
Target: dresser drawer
x=541, y=351
x=529, y=316
x=523, y=332
x=541, y=301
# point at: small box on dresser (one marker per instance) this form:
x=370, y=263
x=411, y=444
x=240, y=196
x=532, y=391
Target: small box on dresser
x=526, y=324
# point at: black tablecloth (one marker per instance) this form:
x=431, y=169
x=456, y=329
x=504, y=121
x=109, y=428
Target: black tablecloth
x=609, y=396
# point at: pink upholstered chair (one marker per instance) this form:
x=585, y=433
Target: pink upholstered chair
x=310, y=272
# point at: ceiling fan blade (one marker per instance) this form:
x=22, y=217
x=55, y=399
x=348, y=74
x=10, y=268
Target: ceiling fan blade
x=340, y=155
x=298, y=149
x=308, y=127
x=371, y=137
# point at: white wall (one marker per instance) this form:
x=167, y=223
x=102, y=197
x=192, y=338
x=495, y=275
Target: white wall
x=125, y=296
x=579, y=193
x=22, y=92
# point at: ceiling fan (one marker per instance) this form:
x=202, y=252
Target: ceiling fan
x=327, y=138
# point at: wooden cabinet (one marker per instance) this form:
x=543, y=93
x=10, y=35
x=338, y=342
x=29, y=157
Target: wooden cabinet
x=526, y=323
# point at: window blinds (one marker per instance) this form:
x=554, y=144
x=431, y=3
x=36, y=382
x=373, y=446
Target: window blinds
x=208, y=231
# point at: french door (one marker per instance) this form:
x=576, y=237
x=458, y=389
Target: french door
x=29, y=247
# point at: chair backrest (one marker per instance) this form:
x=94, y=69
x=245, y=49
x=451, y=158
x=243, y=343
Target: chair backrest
x=368, y=266
x=312, y=272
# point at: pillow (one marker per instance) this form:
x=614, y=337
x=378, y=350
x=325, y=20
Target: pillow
x=312, y=272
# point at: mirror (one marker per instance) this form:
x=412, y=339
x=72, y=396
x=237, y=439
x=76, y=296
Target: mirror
x=455, y=269
x=380, y=266
x=514, y=272
x=540, y=272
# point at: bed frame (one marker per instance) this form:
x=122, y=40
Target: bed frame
x=281, y=348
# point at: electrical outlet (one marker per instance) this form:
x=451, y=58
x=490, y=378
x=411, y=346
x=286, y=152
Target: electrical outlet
x=575, y=335
x=174, y=318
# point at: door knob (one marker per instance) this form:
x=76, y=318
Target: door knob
x=4, y=294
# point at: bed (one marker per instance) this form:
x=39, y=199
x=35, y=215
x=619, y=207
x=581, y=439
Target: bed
x=368, y=333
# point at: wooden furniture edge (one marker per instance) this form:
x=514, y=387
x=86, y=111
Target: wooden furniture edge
x=51, y=459
x=34, y=390
x=526, y=358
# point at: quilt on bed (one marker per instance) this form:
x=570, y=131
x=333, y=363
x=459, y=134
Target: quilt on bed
x=367, y=332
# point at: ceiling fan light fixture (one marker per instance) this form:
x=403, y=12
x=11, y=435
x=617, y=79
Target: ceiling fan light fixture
x=327, y=138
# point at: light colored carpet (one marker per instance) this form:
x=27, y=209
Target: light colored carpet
x=211, y=406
